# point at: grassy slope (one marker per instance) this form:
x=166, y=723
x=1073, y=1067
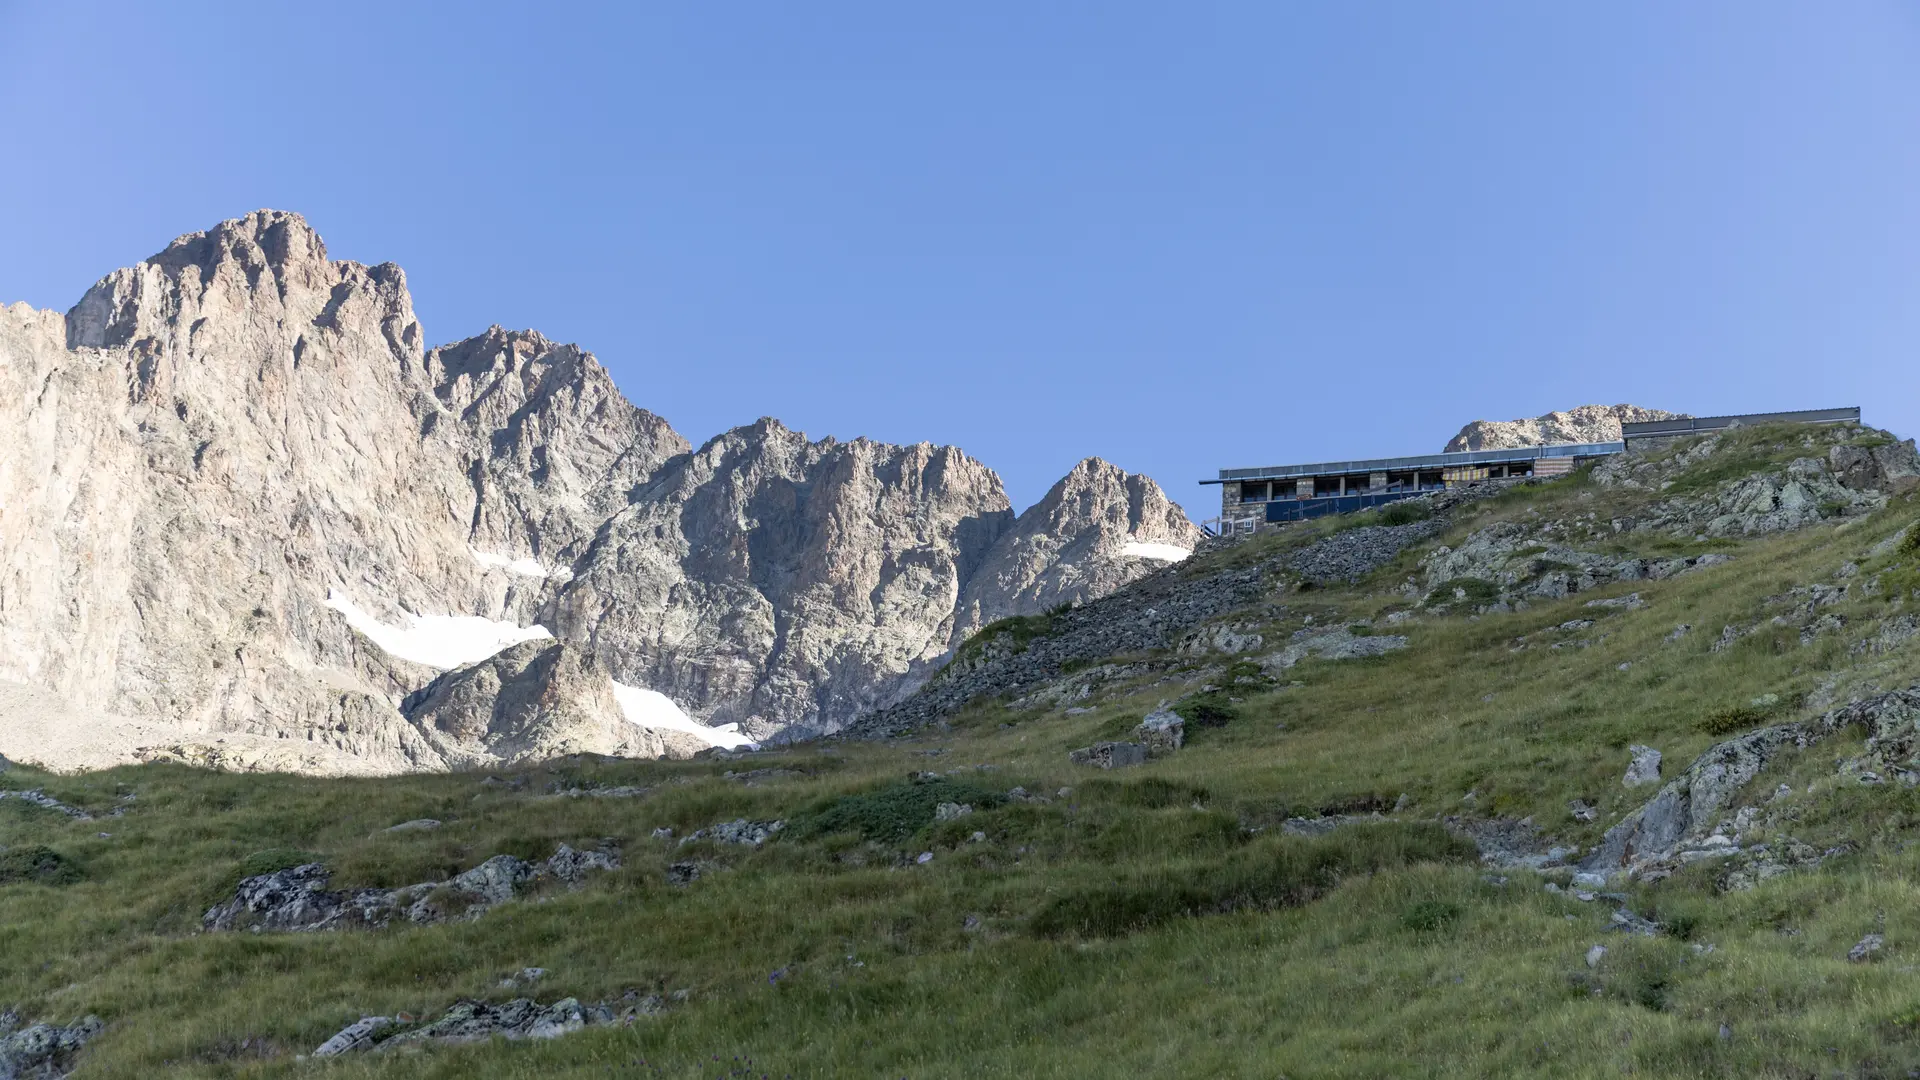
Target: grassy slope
x=1423, y=969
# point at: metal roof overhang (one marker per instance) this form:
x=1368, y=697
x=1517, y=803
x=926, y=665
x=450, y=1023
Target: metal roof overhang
x=1651, y=428
x=1424, y=461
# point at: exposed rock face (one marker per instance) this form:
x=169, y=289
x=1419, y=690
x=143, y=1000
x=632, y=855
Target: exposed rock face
x=297, y=898
x=563, y=449
x=783, y=584
x=1586, y=424
x=1099, y=528
x=247, y=519
x=534, y=701
x=1693, y=817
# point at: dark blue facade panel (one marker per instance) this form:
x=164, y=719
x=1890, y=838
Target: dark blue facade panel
x=1306, y=509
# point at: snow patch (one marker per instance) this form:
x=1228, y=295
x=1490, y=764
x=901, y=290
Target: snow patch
x=1163, y=552
x=438, y=641
x=525, y=567
x=653, y=709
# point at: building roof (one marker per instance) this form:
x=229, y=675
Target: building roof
x=1420, y=461
x=1647, y=429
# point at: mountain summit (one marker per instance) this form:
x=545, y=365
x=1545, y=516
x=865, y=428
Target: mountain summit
x=249, y=509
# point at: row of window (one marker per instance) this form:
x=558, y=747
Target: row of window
x=1320, y=487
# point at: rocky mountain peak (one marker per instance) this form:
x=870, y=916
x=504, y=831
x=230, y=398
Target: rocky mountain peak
x=1584, y=424
x=1098, y=528
x=244, y=498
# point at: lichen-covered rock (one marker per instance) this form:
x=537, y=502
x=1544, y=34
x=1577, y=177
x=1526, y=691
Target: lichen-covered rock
x=1337, y=644
x=297, y=898
x=1109, y=755
x=1683, y=821
x=45, y=1051
x=1644, y=769
x=1162, y=731
x=743, y=831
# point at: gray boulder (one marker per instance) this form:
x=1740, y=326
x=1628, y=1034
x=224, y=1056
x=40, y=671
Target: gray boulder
x=1644, y=769
x=1109, y=755
x=359, y=1035
x=1162, y=732
x=45, y=1050
x=297, y=898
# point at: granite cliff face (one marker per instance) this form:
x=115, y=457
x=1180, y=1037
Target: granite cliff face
x=241, y=500
x=1585, y=424
x=783, y=584
x=1099, y=528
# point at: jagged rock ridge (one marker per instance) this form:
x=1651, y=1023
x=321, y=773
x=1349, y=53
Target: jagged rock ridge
x=1585, y=424
x=242, y=490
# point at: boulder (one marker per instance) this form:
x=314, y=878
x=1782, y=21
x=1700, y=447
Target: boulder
x=1644, y=768
x=1109, y=755
x=1162, y=732
x=45, y=1050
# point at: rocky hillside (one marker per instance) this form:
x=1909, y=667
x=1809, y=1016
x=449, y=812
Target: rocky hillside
x=247, y=502
x=1096, y=530
x=1585, y=424
x=1611, y=774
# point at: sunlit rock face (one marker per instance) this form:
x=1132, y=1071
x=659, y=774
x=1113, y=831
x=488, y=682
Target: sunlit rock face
x=1585, y=424
x=1099, y=528
x=240, y=499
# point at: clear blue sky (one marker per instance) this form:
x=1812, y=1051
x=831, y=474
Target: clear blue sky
x=1177, y=235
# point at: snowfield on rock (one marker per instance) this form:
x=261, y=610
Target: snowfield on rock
x=1163, y=552
x=438, y=641
x=653, y=709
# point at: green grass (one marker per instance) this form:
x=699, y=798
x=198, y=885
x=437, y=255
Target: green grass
x=1154, y=921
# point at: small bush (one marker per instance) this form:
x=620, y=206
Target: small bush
x=38, y=864
x=1910, y=541
x=1732, y=719
x=1281, y=872
x=892, y=813
x=1018, y=630
x=1405, y=513
x=1476, y=591
x=1152, y=793
x=1211, y=709
x=1430, y=916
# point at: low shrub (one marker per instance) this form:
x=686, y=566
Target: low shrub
x=1211, y=709
x=1734, y=718
x=1910, y=541
x=1430, y=916
x=1464, y=590
x=1405, y=513
x=1152, y=793
x=1280, y=872
x=39, y=864
x=892, y=813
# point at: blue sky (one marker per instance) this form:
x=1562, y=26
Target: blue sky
x=1179, y=236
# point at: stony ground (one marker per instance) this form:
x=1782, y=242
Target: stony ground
x=1564, y=779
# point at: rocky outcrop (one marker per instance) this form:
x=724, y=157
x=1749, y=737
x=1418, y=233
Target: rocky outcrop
x=1693, y=817
x=1845, y=472
x=476, y=1021
x=248, y=520
x=563, y=449
x=1585, y=424
x=1099, y=528
x=43, y=1051
x=220, y=447
x=783, y=584
x=532, y=702
x=297, y=898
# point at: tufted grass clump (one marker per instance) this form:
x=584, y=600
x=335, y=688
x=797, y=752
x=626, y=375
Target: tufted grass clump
x=38, y=864
x=1280, y=872
x=892, y=813
x=1731, y=720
